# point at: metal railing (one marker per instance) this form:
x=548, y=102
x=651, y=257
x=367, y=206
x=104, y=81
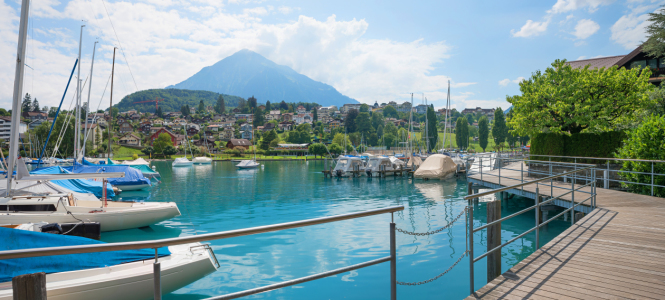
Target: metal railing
x=156, y=244
x=590, y=182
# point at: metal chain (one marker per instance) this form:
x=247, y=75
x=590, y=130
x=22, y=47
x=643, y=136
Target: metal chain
x=437, y=276
x=435, y=231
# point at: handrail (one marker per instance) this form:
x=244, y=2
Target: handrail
x=600, y=158
x=522, y=184
x=591, y=181
x=36, y=252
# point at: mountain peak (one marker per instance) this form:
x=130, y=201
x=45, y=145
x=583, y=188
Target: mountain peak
x=247, y=73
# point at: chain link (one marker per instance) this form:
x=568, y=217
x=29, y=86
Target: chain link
x=435, y=231
x=437, y=276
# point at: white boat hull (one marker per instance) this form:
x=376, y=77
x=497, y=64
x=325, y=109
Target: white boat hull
x=113, y=218
x=202, y=160
x=133, y=187
x=131, y=281
x=182, y=164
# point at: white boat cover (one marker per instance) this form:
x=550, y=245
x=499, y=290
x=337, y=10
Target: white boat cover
x=396, y=161
x=247, y=164
x=414, y=160
x=437, y=166
x=138, y=161
x=201, y=159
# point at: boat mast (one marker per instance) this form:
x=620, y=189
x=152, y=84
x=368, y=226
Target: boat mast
x=87, y=105
x=77, y=124
x=411, y=127
x=18, y=90
x=426, y=125
x=111, y=105
x=445, y=126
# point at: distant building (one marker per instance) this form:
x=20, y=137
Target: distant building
x=421, y=109
x=238, y=144
x=129, y=139
x=227, y=134
x=176, y=139
x=404, y=107
x=489, y=112
x=6, y=125
x=125, y=127
x=346, y=107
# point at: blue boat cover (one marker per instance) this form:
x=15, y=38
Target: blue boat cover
x=132, y=176
x=14, y=239
x=76, y=185
x=143, y=168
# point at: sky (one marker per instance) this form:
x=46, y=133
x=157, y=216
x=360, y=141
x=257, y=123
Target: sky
x=372, y=51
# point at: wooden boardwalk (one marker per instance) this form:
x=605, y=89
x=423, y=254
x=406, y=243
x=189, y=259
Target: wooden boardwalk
x=617, y=251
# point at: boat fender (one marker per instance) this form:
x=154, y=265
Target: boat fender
x=339, y=173
x=52, y=228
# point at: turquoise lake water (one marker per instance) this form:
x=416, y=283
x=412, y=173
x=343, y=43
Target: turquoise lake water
x=219, y=197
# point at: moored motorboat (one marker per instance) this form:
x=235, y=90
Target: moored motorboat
x=248, y=164
x=346, y=164
x=437, y=166
x=378, y=163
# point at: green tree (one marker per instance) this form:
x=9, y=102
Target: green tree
x=462, y=133
x=159, y=112
x=169, y=150
x=26, y=105
x=220, y=107
x=148, y=150
x=259, y=118
x=469, y=118
x=335, y=149
x=184, y=110
x=363, y=123
x=267, y=139
x=390, y=112
x=35, y=105
x=373, y=139
x=390, y=128
x=350, y=121
x=283, y=105
x=268, y=106
x=315, y=115
x=645, y=142
x=251, y=101
x=567, y=99
x=389, y=140
x=377, y=120
x=657, y=97
x=339, y=139
x=432, y=133
x=655, y=44
x=52, y=111
x=483, y=132
x=161, y=142
x=317, y=149
x=500, y=129
x=202, y=107
x=114, y=112
x=364, y=108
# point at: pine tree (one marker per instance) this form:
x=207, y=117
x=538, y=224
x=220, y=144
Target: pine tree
x=483, y=132
x=315, y=116
x=500, y=130
x=27, y=103
x=221, y=106
x=35, y=105
x=268, y=106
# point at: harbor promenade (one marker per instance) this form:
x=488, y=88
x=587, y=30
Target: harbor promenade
x=617, y=251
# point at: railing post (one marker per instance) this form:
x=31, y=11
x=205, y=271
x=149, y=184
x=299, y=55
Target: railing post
x=651, y=178
x=156, y=274
x=470, y=209
x=522, y=175
x=572, y=200
x=537, y=218
x=499, y=162
x=393, y=262
x=481, y=169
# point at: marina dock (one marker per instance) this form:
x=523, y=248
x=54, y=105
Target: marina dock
x=616, y=251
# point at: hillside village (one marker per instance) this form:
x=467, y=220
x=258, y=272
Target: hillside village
x=283, y=128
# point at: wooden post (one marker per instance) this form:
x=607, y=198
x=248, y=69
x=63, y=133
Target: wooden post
x=29, y=286
x=493, y=240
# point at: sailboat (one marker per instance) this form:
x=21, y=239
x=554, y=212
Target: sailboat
x=250, y=163
x=183, y=161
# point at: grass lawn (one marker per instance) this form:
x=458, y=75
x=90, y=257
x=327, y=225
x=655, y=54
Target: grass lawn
x=124, y=153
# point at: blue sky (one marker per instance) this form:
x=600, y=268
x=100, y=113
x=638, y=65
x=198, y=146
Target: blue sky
x=369, y=50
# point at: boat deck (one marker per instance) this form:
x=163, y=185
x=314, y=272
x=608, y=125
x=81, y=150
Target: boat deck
x=617, y=251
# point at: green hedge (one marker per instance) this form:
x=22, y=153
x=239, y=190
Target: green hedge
x=603, y=144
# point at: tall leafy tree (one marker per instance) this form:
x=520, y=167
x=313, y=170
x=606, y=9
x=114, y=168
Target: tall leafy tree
x=258, y=117
x=202, y=107
x=283, y=105
x=500, y=129
x=252, y=103
x=462, y=133
x=390, y=112
x=242, y=105
x=431, y=128
x=363, y=123
x=315, y=115
x=655, y=44
x=364, y=108
x=161, y=142
x=567, y=99
x=267, y=139
x=483, y=132
x=220, y=106
x=350, y=121
x=159, y=112
x=377, y=120
x=26, y=105
x=268, y=106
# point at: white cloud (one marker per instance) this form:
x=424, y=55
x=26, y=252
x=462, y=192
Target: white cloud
x=287, y=10
x=585, y=28
x=562, y=6
x=581, y=57
x=531, y=28
x=506, y=82
x=630, y=30
x=167, y=45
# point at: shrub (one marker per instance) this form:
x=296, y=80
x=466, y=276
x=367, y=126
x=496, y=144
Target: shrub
x=645, y=142
x=135, y=156
x=471, y=150
x=579, y=144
